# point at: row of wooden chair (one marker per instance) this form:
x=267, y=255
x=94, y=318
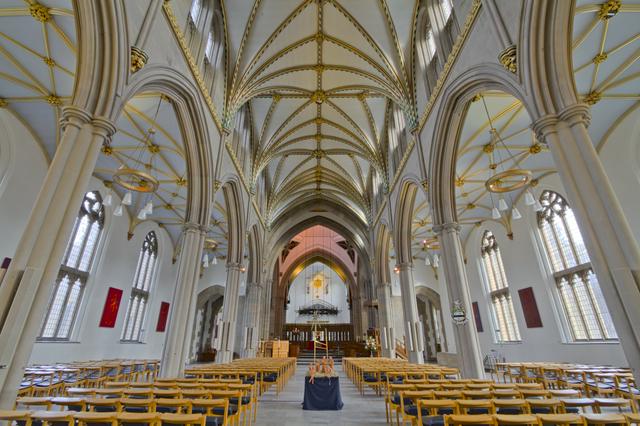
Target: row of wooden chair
x=72, y=418
x=539, y=420
x=410, y=404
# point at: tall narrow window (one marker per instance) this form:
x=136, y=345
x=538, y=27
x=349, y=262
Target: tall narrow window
x=503, y=313
x=447, y=8
x=194, y=12
x=578, y=288
x=132, y=330
x=430, y=45
x=74, y=270
x=208, y=51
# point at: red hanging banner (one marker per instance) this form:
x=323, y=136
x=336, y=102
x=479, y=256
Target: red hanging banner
x=111, y=307
x=162, y=317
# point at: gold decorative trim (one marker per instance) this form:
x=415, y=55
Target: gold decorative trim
x=135, y=180
x=508, y=59
x=609, y=9
x=39, y=12
x=139, y=59
x=498, y=182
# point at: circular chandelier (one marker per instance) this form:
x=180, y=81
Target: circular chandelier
x=509, y=180
x=135, y=180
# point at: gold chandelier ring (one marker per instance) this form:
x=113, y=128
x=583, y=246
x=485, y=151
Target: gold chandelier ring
x=509, y=180
x=136, y=180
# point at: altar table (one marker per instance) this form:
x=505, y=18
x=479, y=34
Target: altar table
x=322, y=394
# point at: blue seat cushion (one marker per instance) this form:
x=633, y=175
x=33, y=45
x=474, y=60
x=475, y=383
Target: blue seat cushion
x=161, y=409
x=135, y=409
x=104, y=409
x=510, y=410
x=412, y=410
x=245, y=400
x=474, y=411
x=270, y=377
x=445, y=411
x=396, y=400
x=540, y=410
x=219, y=411
x=371, y=379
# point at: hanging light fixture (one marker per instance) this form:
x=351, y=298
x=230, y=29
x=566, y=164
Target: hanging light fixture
x=427, y=261
x=515, y=213
x=126, y=201
x=214, y=260
x=436, y=260
x=108, y=200
x=510, y=179
x=205, y=260
x=529, y=200
x=137, y=177
x=118, y=211
x=495, y=213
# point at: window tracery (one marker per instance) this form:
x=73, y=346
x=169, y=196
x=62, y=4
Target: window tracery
x=139, y=300
x=74, y=271
x=578, y=289
x=502, y=305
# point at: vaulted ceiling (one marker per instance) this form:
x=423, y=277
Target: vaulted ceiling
x=318, y=76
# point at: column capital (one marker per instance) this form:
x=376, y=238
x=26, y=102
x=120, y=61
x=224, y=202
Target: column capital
x=234, y=266
x=446, y=227
x=74, y=116
x=576, y=114
x=544, y=126
x=254, y=285
x=104, y=128
x=193, y=227
x=404, y=266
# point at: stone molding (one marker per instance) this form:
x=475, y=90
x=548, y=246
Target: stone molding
x=446, y=227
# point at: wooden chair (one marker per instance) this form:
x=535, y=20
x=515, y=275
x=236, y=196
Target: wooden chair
x=103, y=405
x=167, y=393
x=70, y=404
x=477, y=394
x=109, y=393
x=215, y=408
x=233, y=411
x=11, y=416
x=544, y=405
x=621, y=404
x=506, y=393
x=436, y=410
x=515, y=419
x=463, y=419
x=137, y=419
x=183, y=419
x=393, y=400
x=511, y=406
x=173, y=405
x=41, y=402
x=476, y=406
x=447, y=395
x=81, y=392
x=573, y=404
x=138, y=405
x=92, y=418
x=410, y=411
x=560, y=419
x=54, y=417
x=249, y=399
x=138, y=393
x=604, y=419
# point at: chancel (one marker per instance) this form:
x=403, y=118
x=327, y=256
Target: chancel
x=283, y=212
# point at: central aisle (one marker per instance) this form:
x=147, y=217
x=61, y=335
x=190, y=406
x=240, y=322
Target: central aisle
x=286, y=408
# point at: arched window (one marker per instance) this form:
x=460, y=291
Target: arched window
x=141, y=287
x=74, y=270
x=426, y=49
x=578, y=288
x=194, y=12
x=503, y=313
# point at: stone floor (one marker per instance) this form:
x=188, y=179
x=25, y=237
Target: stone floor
x=286, y=409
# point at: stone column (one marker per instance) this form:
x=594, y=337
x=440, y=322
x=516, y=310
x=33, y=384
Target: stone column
x=266, y=309
x=25, y=292
x=229, y=314
x=183, y=308
x=613, y=250
x=251, y=320
x=454, y=270
x=412, y=324
x=383, y=291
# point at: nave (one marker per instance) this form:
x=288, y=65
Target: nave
x=397, y=195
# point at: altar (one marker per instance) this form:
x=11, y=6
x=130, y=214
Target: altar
x=322, y=394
